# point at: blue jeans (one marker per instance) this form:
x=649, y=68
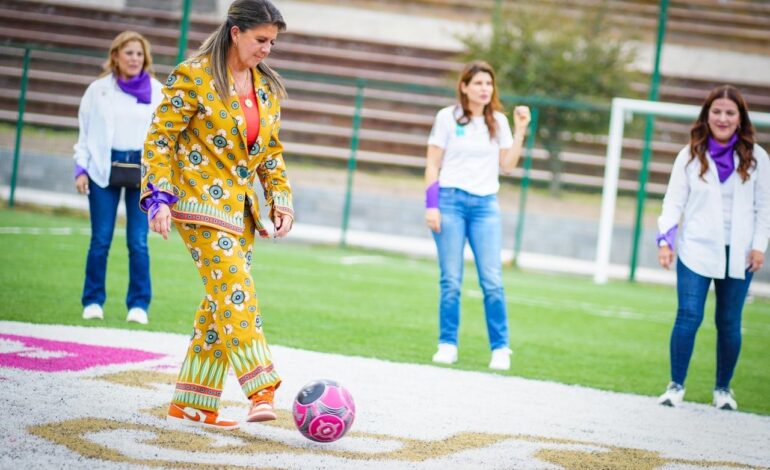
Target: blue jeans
x=692, y=289
x=477, y=219
x=103, y=204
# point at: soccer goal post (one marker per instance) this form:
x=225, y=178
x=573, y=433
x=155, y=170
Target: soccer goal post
x=624, y=109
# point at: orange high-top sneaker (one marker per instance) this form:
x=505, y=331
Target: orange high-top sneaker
x=261, y=406
x=198, y=417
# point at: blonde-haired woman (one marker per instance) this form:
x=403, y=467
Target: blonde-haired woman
x=470, y=143
x=114, y=115
x=215, y=135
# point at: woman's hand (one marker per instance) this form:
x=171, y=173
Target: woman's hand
x=433, y=219
x=756, y=260
x=81, y=183
x=282, y=223
x=162, y=222
x=665, y=256
x=521, y=118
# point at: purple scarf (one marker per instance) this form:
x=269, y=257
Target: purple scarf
x=138, y=87
x=723, y=156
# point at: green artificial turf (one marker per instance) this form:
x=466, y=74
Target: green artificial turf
x=562, y=328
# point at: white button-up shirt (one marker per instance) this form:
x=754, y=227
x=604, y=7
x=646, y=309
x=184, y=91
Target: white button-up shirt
x=696, y=205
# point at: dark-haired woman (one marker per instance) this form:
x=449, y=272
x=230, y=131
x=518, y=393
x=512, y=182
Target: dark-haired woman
x=214, y=137
x=469, y=144
x=716, y=216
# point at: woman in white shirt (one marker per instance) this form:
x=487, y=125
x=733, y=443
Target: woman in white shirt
x=115, y=113
x=469, y=143
x=716, y=215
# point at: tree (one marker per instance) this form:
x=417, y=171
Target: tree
x=543, y=54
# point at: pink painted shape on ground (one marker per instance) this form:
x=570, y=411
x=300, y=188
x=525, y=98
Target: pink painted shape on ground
x=79, y=356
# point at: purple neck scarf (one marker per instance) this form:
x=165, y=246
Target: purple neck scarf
x=723, y=156
x=138, y=87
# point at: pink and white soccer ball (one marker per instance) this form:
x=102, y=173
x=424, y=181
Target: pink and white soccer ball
x=323, y=411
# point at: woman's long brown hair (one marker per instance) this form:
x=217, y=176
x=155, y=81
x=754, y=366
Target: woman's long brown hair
x=700, y=132
x=466, y=76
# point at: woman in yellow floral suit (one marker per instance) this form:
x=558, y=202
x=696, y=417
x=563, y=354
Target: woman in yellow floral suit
x=212, y=136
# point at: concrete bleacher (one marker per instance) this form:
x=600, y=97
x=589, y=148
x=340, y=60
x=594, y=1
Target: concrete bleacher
x=319, y=69
x=714, y=23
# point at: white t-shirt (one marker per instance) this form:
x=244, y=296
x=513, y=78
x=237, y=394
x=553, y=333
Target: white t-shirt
x=132, y=119
x=471, y=159
x=728, y=190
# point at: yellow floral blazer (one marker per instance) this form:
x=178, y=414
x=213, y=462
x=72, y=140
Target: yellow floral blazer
x=196, y=150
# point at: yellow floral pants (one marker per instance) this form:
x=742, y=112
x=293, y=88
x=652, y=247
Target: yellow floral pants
x=227, y=330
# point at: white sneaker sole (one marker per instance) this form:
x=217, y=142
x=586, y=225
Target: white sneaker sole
x=137, y=318
x=725, y=406
x=201, y=424
x=444, y=361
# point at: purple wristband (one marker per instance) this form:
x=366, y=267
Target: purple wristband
x=79, y=170
x=669, y=237
x=431, y=196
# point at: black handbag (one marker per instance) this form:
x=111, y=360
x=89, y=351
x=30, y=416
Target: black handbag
x=125, y=175
x=125, y=171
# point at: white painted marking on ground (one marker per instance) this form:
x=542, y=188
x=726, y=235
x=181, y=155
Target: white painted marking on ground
x=362, y=259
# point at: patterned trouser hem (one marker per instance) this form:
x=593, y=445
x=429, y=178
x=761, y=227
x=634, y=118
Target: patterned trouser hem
x=259, y=381
x=196, y=396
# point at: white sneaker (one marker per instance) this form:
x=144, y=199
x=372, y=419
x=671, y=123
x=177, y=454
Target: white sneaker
x=501, y=359
x=93, y=311
x=137, y=315
x=724, y=400
x=673, y=396
x=446, y=354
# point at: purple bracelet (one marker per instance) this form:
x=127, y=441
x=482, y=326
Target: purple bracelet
x=431, y=196
x=669, y=237
x=79, y=170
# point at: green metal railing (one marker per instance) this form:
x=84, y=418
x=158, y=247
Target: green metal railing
x=19, y=124
x=535, y=111
x=184, y=28
x=360, y=86
x=646, y=150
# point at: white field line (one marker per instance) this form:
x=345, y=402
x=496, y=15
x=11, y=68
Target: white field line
x=363, y=259
x=616, y=312
x=120, y=231
x=47, y=231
